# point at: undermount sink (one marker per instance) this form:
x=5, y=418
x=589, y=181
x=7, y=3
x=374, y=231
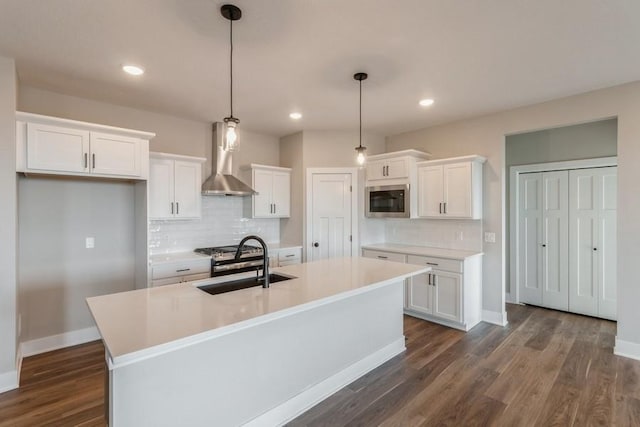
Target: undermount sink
x=236, y=285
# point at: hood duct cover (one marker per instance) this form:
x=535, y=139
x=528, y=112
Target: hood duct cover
x=223, y=183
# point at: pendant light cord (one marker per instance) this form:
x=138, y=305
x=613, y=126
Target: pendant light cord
x=231, y=66
x=360, y=113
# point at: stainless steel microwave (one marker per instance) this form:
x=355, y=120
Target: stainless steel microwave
x=387, y=201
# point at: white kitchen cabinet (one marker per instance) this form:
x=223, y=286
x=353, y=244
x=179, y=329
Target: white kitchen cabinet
x=389, y=256
x=282, y=257
x=592, y=241
x=388, y=169
x=273, y=185
x=174, y=186
x=393, y=168
x=450, y=188
x=49, y=145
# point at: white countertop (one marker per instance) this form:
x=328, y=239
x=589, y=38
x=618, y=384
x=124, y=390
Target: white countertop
x=146, y=322
x=176, y=257
x=422, y=250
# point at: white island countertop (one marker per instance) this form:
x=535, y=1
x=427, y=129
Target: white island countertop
x=423, y=251
x=145, y=322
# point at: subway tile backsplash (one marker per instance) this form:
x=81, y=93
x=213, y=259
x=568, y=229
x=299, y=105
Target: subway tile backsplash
x=449, y=234
x=222, y=223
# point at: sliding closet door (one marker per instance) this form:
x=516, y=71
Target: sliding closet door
x=592, y=249
x=530, y=233
x=555, y=240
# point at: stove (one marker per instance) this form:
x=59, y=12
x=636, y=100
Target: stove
x=223, y=260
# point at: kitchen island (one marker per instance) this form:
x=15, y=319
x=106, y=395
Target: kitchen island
x=179, y=356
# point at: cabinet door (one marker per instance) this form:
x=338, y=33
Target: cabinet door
x=161, y=189
x=447, y=295
x=397, y=168
x=115, y=155
x=554, y=270
x=420, y=294
x=263, y=185
x=188, y=182
x=457, y=190
x=376, y=170
x=430, y=194
x=53, y=148
x=281, y=192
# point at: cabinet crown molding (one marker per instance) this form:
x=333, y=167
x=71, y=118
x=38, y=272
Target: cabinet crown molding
x=470, y=158
x=265, y=167
x=171, y=156
x=421, y=155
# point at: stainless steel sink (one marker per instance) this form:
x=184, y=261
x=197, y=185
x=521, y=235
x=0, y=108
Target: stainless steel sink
x=235, y=285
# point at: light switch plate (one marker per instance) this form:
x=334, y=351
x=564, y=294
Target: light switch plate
x=489, y=237
x=90, y=243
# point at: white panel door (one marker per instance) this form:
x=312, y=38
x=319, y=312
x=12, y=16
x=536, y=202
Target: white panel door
x=430, y=191
x=583, y=236
x=447, y=295
x=161, y=188
x=530, y=233
x=555, y=240
x=606, y=248
x=54, y=148
x=281, y=194
x=116, y=155
x=457, y=190
x=263, y=185
x=330, y=216
x=188, y=182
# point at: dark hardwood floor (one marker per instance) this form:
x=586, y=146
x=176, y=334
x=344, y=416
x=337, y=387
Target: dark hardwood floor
x=546, y=368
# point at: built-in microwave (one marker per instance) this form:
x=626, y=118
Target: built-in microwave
x=387, y=201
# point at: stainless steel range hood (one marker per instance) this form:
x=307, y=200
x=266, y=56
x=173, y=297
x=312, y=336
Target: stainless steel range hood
x=222, y=182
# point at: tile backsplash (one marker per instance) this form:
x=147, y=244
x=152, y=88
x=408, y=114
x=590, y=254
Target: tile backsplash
x=222, y=223
x=449, y=234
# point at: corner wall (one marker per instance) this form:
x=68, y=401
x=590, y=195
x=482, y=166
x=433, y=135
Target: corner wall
x=8, y=226
x=486, y=136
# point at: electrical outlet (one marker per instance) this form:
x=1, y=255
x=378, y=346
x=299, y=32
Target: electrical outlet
x=458, y=235
x=90, y=243
x=490, y=237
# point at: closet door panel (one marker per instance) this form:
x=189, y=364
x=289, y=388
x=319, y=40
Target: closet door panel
x=530, y=232
x=607, y=254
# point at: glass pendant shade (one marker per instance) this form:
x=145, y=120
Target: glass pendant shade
x=231, y=141
x=361, y=157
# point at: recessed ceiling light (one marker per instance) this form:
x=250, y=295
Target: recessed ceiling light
x=426, y=102
x=295, y=116
x=133, y=70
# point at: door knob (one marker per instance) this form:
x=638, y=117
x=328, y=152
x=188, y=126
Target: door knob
x=316, y=244
x=544, y=246
x=595, y=249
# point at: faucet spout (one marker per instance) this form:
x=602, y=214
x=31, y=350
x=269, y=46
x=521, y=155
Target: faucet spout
x=265, y=257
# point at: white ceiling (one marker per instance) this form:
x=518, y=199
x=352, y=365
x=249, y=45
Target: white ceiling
x=472, y=56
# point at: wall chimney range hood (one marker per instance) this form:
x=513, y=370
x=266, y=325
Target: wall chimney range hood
x=222, y=182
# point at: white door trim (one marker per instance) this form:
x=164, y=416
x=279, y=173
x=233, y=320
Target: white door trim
x=514, y=194
x=308, y=201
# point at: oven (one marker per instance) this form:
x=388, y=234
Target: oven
x=387, y=201
x=223, y=260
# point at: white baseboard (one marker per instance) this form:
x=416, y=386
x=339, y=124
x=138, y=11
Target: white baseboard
x=55, y=342
x=317, y=393
x=8, y=381
x=495, y=317
x=627, y=349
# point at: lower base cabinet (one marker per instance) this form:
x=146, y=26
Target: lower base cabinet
x=450, y=294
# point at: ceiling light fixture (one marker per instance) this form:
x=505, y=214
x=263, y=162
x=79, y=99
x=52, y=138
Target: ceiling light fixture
x=231, y=141
x=426, y=102
x=295, y=116
x=134, y=70
x=361, y=157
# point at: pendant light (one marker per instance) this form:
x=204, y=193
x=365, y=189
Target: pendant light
x=360, y=150
x=230, y=140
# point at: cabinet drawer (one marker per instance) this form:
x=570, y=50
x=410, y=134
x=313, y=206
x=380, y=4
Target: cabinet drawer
x=387, y=256
x=289, y=262
x=183, y=268
x=179, y=279
x=290, y=254
x=437, y=263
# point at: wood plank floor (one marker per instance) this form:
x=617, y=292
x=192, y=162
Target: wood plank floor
x=546, y=368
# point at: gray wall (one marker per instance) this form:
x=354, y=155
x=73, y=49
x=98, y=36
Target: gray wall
x=57, y=272
x=486, y=135
x=584, y=141
x=8, y=221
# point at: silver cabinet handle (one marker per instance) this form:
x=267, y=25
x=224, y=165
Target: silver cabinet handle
x=440, y=207
x=274, y=208
x=432, y=263
x=171, y=208
x=183, y=269
x=86, y=161
x=383, y=257
x=177, y=208
x=93, y=160
x=290, y=255
x=429, y=279
x=445, y=207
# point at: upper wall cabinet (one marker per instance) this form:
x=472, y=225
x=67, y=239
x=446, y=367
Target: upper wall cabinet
x=273, y=185
x=174, y=186
x=450, y=188
x=50, y=145
x=393, y=168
